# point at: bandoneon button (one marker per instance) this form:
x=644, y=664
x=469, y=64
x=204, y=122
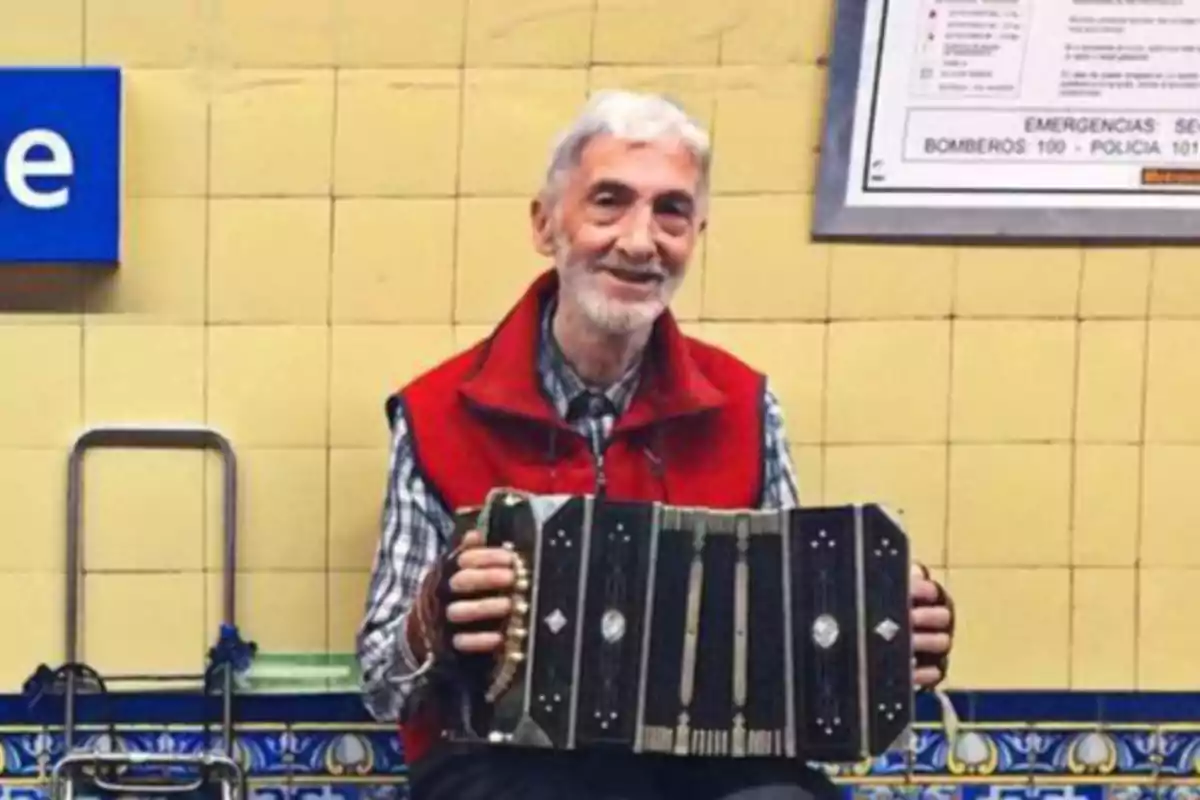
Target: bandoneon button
x=612, y=625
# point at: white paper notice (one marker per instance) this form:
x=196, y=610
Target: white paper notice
x=1023, y=103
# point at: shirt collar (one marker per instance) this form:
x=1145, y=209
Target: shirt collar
x=505, y=377
x=564, y=385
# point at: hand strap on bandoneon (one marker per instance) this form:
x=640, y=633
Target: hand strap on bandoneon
x=458, y=667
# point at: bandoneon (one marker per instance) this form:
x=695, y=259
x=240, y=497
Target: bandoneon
x=653, y=628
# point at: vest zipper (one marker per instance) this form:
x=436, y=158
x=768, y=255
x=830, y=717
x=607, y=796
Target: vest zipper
x=598, y=458
x=601, y=481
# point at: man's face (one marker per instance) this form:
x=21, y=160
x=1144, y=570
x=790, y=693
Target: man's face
x=623, y=229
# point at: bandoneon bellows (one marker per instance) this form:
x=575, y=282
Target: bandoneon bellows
x=654, y=628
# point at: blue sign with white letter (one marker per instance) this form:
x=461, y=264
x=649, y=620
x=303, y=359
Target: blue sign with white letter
x=60, y=164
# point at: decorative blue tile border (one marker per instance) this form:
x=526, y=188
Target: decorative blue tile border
x=1056, y=746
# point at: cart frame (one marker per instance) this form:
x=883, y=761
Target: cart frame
x=228, y=656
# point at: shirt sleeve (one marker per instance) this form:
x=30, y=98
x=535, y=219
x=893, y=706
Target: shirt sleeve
x=415, y=529
x=780, y=485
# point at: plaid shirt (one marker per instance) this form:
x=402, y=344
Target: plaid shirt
x=416, y=528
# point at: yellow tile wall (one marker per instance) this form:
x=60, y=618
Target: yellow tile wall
x=326, y=196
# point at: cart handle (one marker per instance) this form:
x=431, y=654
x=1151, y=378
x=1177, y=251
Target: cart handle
x=147, y=437
x=143, y=758
x=147, y=788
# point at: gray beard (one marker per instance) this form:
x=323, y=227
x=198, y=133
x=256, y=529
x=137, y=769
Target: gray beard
x=614, y=316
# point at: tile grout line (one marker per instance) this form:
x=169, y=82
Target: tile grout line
x=826, y=317
x=459, y=137
x=1073, y=470
x=1141, y=476
x=206, y=350
x=701, y=315
x=329, y=357
x=827, y=324
x=591, y=60
x=947, y=471
x=822, y=434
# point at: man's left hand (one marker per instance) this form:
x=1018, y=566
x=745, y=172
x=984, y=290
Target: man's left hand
x=933, y=628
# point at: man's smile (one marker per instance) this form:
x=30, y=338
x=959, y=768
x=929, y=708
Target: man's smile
x=635, y=276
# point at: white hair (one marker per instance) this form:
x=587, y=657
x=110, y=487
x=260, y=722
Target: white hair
x=634, y=116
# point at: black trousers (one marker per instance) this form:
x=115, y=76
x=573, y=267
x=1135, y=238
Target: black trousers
x=499, y=774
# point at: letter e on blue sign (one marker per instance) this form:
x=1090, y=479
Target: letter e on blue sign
x=60, y=165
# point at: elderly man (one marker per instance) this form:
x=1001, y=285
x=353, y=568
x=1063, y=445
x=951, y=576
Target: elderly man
x=586, y=386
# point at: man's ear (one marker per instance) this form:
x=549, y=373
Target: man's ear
x=541, y=227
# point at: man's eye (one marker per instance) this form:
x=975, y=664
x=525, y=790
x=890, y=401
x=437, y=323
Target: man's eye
x=676, y=214
x=605, y=199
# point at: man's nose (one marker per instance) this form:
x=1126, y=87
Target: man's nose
x=637, y=236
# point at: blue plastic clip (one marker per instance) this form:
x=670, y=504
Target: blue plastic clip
x=231, y=650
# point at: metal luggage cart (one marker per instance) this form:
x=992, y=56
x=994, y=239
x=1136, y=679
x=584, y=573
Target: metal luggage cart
x=100, y=767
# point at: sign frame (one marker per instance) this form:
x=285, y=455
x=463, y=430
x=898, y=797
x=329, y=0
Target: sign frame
x=67, y=209
x=833, y=219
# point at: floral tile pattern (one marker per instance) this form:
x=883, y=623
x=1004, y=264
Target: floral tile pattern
x=339, y=754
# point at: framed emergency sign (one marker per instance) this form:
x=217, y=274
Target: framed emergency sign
x=60, y=165
x=1033, y=119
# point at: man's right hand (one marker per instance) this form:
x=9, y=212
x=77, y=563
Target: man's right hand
x=481, y=571
x=477, y=572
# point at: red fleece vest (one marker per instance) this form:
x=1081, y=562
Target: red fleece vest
x=692, y=434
